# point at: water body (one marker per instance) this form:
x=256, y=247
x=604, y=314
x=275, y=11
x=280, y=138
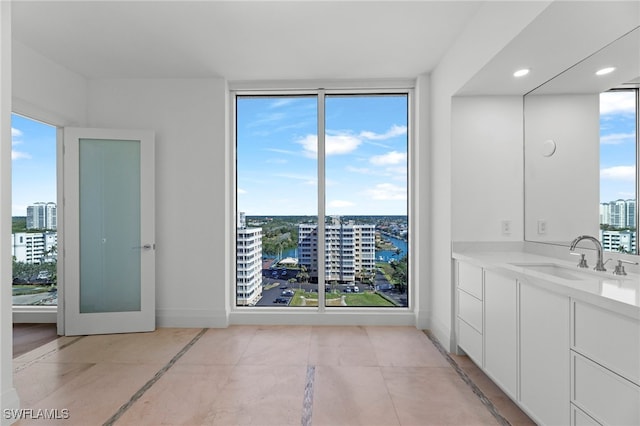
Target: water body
x=382, y=255
x=387, y=255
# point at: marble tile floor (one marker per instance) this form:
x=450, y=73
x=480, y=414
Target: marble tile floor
x=254, y=375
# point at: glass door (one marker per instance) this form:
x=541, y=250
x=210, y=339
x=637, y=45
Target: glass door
x=109, y=245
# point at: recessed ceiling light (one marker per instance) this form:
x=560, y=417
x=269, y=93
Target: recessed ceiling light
x=605, y=71
x=521, y=73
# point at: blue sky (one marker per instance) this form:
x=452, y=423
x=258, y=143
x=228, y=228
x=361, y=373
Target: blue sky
x=617, y=146
x=33, y=163
x=366, y=155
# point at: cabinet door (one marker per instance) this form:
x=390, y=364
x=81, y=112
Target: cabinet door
x=544, y=355
x=500, y=338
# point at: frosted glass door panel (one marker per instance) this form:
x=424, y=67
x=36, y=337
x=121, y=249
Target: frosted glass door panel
x=109, y=225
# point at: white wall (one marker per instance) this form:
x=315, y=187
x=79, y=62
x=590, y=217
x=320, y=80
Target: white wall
x=44, y=90
x=486, y=168
x=189, y=118
x=474, y=48
x=563, y=189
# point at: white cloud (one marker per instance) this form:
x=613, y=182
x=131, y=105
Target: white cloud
x=241, y=191
x=281, y=102
x=361, y=170
x=17, y=155
x=267, y=119
x=394, y=131
x=340, y=203
x=388, y=191
x=344, y=142
x=390, y=158
x=280, y=151
x=617, y=102
x=338, y=144
x=617, y=138
x=627, y=173
x=307, y=180
x=15, y=133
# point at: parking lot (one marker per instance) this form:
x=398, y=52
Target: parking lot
x=278, y=291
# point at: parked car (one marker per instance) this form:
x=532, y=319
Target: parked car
x=356, y=289
x=281, y=300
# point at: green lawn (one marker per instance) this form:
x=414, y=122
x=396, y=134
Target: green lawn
x=333, y=299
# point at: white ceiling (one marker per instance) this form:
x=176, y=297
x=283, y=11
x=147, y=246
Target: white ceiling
x=307, y=39
x=565, y=33
x=243, y=40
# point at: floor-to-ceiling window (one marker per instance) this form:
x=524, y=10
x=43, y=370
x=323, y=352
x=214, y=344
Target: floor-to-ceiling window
x=331, y=160
x=34, y=212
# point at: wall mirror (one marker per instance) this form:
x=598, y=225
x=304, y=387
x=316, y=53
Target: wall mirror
x=581, y=150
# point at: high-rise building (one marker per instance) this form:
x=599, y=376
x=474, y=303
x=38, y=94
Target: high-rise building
x=248, y=263
x=42, y=216
x=619, y=213
x=349, y=250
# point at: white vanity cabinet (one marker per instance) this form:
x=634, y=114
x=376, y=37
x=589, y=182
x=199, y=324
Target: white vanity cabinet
x=605, y=365
x=565, y=354
x=500, y=330
x=469, y=283
x=544, y=354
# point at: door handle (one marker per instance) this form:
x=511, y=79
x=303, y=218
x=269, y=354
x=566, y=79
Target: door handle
x=146, y=247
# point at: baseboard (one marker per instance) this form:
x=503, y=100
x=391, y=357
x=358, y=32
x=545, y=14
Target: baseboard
x=182, y=318
x=35, y=314
x=442, y=333
x=337, y=317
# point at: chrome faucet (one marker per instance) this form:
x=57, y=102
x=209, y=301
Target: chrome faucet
x=599, y=263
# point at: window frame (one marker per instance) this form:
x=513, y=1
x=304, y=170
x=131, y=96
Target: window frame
x=242, y=89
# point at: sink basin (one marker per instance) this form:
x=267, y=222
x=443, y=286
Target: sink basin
x=556, y=270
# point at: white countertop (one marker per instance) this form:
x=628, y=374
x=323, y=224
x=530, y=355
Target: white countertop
x=620, y=293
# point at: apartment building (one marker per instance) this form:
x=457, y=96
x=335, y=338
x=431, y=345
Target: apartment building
x=349, y=249
x=34, y=247
x=248, y=263
x=619, y=241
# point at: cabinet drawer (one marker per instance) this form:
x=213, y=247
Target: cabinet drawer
x=470, y=340
x=470, y=279
x=607, y=397
x=580, y=418
x=470, y=310
x=608, y=338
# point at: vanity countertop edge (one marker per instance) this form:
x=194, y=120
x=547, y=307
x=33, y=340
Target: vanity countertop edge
x=620, y=294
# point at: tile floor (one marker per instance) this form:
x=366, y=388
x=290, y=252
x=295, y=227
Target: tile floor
x=249, y=375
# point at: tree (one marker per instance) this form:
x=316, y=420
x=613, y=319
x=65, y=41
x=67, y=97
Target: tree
x=399, y=274
x=303, y=275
